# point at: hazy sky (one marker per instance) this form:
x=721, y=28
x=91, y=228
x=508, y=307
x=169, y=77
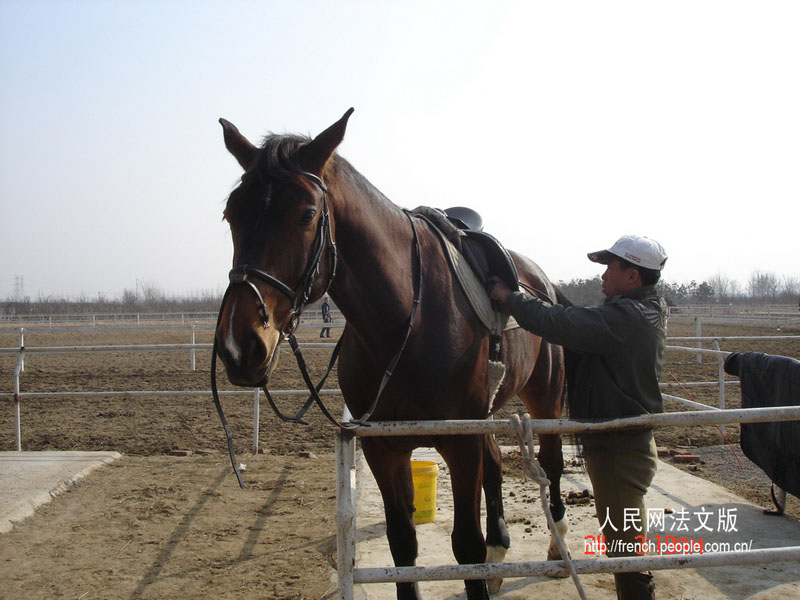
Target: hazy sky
x=567, y=124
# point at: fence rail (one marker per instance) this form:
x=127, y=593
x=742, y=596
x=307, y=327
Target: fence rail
x=138, y=320
x=22, y=350
x=349, y=575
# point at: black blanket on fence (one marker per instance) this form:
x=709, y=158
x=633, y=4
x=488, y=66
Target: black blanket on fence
x=769, y=380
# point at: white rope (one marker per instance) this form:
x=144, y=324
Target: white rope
x=533, y=469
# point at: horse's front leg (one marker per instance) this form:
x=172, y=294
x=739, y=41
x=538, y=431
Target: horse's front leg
x=497, y=539
x=392, y=472
x=464, y=457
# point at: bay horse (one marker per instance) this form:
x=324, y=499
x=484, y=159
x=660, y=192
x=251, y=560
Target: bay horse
x=305, y=222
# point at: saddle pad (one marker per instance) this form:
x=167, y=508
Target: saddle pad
x=474, y=290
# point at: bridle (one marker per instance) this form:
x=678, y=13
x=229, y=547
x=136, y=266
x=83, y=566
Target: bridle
x=299, y=297
x=245, y=274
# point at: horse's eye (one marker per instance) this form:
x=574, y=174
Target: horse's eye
x=308, y=217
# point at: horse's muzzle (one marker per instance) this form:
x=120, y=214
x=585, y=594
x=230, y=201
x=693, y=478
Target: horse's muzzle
x=246, y=361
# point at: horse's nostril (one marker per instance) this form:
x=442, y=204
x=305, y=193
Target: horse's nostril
x=256, y=350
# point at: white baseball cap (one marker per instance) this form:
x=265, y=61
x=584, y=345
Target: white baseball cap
x=639, y=250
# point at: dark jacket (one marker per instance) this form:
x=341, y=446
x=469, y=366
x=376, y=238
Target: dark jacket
x=617, y=350
x=769, y=380
x=326, y=312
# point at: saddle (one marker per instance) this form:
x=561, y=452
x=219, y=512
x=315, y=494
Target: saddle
x=486, y=256
x=475, y=256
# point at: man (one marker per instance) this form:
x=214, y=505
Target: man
x=326, y=318
x=615, y=356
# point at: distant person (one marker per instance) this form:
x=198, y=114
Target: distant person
x=615, y=356
x=326, y=318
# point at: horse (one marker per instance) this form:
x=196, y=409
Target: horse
x=304, y=222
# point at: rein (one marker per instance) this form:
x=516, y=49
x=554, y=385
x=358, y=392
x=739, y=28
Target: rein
x=299, y=298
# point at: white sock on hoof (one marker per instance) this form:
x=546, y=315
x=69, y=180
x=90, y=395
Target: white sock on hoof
x=495, y=554
x=553, y=552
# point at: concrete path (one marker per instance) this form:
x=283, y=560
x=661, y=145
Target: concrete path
x=30, y=479
x=695, y=505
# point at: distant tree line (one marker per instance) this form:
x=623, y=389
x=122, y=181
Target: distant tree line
x=762, y=287
x=147, y=298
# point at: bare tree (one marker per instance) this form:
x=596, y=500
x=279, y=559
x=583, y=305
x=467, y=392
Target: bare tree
x=721, y=285
x=763, y=285
x=791, y=285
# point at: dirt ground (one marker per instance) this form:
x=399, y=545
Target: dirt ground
x=155, y=525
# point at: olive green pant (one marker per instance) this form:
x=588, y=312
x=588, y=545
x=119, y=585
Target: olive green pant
x=621, y=466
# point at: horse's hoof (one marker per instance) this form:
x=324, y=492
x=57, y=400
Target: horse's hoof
x=493, y=585
x=553, y=553
x=495, y=554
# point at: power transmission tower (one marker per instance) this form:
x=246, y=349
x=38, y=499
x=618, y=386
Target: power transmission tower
x=19, y=288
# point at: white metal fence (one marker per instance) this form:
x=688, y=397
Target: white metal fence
x=134, y=319
x=191, y=348
x=349, y=575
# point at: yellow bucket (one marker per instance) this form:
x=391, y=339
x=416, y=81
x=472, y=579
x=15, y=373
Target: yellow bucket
x=424, y=474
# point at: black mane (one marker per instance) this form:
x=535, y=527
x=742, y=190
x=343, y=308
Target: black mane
x=276, y=158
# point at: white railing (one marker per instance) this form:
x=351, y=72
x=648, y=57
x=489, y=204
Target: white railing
x=349, y=575
x=192, y=348
x=135, y=320
x=97, y=319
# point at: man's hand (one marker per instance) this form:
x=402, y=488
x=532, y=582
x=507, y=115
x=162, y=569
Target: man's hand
x=497, y=289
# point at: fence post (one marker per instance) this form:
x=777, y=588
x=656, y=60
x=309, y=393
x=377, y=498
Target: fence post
x=698, y=332
x=345, y=513
x=256, y=418
x=721, y=366
x=191, y=351
x=22, y=348
x=17, y=418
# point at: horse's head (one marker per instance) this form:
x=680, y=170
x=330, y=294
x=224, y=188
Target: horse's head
x=283, y=251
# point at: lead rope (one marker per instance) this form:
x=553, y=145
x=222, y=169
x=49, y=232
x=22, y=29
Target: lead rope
x=218, y=404
x=532, y=469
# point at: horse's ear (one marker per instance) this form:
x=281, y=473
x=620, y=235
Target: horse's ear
x=238, y=145
x=316, y=153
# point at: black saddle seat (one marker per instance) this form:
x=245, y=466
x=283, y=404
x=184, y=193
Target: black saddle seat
x=487, y=257
x=484, y=253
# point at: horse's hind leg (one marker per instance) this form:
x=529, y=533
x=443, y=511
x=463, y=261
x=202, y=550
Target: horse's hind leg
x=552, y=460
x=464, y=454
x=497, y=538
x=392, y=472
